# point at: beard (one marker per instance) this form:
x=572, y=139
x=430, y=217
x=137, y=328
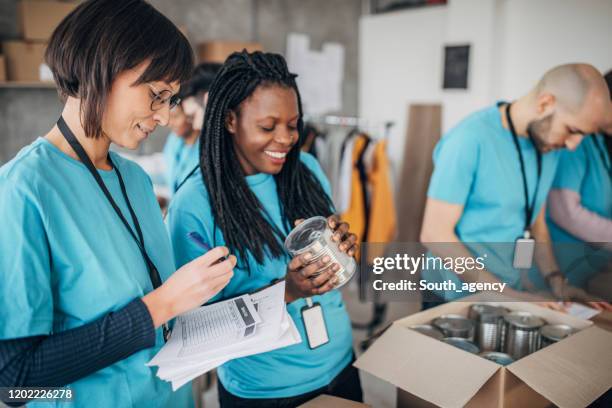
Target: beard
x=538, y=131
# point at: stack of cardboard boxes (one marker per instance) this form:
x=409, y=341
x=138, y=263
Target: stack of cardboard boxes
x=23, y=59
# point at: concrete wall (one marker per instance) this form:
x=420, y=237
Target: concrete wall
x=513, y=42
x=28, y=113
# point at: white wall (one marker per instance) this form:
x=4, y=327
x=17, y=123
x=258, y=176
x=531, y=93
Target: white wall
x=513, y=42
x=540, y=34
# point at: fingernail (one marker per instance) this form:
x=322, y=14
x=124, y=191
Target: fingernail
x=326, y=259
x=307, y=256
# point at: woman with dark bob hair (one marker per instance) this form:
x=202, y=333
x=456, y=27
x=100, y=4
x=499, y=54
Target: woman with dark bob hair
x=87, y=269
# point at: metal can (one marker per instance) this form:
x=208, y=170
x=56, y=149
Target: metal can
x=522, y=334
x=428, y=330
x=489, y=320
x=496, y=357
x=462, y=343
x=314, y=236
x=452, y=325
x=552, y=333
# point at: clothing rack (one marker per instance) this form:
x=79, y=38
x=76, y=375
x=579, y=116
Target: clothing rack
x=350, y=122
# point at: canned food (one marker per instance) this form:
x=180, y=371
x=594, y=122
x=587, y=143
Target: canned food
x=452, y=325
x=489, y=320
x=552, y=333
x=428, y=330
x=462, y=343
x=314, y=236
x=522, y=334
x=496, y=357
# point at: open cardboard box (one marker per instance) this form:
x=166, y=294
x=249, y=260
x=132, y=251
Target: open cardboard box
x=427, y=372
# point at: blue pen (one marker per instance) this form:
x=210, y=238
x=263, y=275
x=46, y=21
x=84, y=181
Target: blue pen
x=198, y=240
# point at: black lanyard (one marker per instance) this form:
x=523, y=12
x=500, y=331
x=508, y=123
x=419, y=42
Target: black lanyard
x=602, y=153
x=80, y=152
x=528, y=208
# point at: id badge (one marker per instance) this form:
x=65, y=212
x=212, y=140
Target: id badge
x=524, y=249
x=314, y=324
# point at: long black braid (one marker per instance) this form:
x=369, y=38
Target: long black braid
x=236, y=210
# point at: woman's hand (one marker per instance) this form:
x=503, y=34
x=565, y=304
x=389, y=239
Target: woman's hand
x=303, y=280
x=347, y=240
x=190, y=286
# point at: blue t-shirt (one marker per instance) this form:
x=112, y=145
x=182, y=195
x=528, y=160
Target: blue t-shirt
x=476, y=165
x=67, y=260
x=585, y=172
x=287, y=371
x=180, y=159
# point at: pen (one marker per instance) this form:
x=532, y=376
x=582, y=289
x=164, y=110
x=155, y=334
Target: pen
x=198, y=240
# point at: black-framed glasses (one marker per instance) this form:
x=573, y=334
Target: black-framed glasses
x=163, y=97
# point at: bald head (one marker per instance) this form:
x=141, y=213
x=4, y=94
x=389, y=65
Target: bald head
x=575, y=86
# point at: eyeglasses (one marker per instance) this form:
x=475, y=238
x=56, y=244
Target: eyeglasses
x=159, y=99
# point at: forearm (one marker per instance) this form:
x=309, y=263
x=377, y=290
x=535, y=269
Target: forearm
x=62, y=358
x=544, y=254
x=445, y=244
x=567, y=212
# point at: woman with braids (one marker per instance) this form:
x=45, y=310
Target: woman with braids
x=253, y=186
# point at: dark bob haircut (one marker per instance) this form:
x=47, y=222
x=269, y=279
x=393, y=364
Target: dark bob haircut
x=100, y=39
x=201, y=79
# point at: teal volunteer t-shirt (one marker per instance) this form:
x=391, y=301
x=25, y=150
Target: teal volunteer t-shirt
x=476, y=165
x=586, y=172
x=180, y=159
x=279, y=373
x=67, y=260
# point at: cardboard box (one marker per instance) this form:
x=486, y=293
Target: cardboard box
x=218, y=51
x=427, y=372
x=2, y=69
x=23, y=60
x=38, y=18
x=327, y=401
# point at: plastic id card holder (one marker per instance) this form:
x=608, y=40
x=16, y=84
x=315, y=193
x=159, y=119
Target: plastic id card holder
x=524, y=249
x=314, y=324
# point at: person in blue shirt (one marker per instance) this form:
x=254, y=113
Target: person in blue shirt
x=253, y=187
x=181, y=151
x=492, y=173
x=580, y=212
x=87, y=269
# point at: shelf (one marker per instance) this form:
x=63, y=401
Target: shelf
x=27, y=85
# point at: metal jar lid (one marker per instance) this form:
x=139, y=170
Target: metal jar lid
x=428, y=330
x=497, y=357
x=486, y=313
x=462, y=343
x=524, y=320
x=556, y=332
x=305, y=235
x=452, y=322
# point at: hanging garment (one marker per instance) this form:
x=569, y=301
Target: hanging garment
x=382, y=221
x=371, y=212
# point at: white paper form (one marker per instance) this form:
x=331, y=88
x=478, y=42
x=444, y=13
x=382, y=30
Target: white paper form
x=208, y=327
x=275, y=330
x=290, y=337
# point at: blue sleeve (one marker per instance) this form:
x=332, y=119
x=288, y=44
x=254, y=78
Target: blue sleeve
x=26, y=299
x=311, y=162
x=571, y=169
x=455, y=162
